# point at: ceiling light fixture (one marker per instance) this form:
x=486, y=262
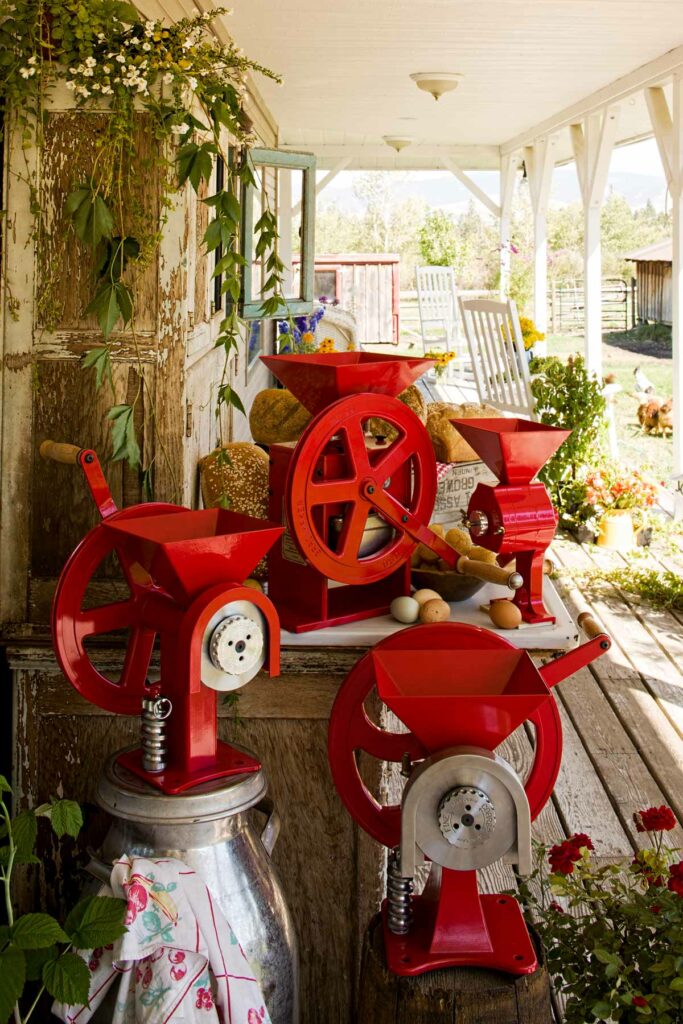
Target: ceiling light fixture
x=397, y=142
x=436, y=83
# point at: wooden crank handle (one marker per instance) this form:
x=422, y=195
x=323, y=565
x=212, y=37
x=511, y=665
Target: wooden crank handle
x=489, y=573
x=589, y=625
x=58, y=451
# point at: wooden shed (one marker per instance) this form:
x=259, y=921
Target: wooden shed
x=653, y=274
x=366, y=285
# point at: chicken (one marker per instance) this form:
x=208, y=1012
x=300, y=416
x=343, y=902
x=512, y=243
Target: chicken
x=643, y=384
x=665, y=419
x=647, y=414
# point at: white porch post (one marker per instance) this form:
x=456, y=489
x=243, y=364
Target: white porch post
x=284, y=198
x=508, y=179
x=677, y=272
x=540, y=161
x=592, y=144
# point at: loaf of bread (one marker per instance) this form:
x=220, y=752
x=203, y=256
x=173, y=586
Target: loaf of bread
x=238, y=480
x=449, y=445
x=276, y=417
x=413, y=398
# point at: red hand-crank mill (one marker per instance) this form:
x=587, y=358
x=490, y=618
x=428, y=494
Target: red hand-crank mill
x=461, y=691
x=354, y=507
x=184, y=571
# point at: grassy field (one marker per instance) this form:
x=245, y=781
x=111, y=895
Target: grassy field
x=621, y=354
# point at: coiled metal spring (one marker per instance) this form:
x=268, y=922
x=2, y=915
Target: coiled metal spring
x=399, y=892
x=155, y=711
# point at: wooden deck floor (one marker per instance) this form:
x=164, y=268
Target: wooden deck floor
x=622, y=716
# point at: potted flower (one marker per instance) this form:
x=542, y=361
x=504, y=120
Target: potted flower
x=621, y=501
x=613, y=935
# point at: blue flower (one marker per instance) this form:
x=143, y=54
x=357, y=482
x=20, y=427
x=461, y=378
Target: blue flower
x=283, y=327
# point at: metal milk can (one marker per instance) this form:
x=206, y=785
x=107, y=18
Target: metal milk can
x=210, y=828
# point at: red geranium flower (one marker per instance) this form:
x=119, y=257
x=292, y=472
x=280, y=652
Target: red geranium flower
x=675, y=883
x=655, y=819
x=580, y=840
x=639, y=1001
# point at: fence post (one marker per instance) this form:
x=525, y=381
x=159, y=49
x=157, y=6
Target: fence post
x=634, y=300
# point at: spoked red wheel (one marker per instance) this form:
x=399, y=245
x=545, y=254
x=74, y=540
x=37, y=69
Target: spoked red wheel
x=73, y=624
x=410, y=457
x=352, y=732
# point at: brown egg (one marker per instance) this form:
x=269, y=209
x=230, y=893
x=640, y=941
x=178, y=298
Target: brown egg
x=504, y=614
x=426, y=595
x=435, y=611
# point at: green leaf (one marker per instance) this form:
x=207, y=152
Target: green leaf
x=35, y=931
x=605, y=957
x=125, y=302
x=601, y=1009
x=124, y=441
x=100, y=359
x=76, y=199
x=66, y=817
x=96, y=921
x=105, y=307
x=12, y=978
x=195, y=163
x=4, y=785
x=67, y=979
x=676, y=984
x=36, y=960
x=126, y=13
x=231, y=207
x=24, y=832
x=213, y=235
x=92, y=218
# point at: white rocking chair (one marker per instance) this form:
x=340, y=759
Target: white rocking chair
x=499, y=361
x=438, y=309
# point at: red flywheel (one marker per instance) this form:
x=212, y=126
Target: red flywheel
x=410, y=452
x=72, y=623
x=352, y=730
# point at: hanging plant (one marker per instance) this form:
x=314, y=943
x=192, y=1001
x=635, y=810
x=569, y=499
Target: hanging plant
x=190, y=88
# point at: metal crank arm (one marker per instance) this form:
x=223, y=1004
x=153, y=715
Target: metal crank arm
x=567, y=664
x=402, y=519
x=86, y=458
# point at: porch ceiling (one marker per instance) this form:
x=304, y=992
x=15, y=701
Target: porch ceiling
x=346, y=65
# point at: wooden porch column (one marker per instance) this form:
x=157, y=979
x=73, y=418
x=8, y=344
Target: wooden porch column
x=539, y=160
x=592, y=143
x=677, y=272
x=509, y=166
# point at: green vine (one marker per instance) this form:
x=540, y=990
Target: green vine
x=188, y=91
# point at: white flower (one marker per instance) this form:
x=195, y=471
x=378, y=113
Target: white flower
x=120, y=58
x=33, y=60
x=178, y=129
x=90, y=62
x=101, y=37
x=107, y=90
x=146, y=47
x=107, y=69
x=70, y=85
x=192, y=82
x=27, y=72
x=149, y=25
x=87, y=72
x=168, y=78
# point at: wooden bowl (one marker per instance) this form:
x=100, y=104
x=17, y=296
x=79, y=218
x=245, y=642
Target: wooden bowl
x=452, y=586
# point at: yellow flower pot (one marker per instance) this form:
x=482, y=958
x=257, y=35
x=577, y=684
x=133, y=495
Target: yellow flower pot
x=616, y=530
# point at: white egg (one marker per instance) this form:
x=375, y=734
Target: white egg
x=405, y=609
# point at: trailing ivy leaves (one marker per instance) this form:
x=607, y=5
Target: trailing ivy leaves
x=65, y=816
x=124, y=441
x=100, y=360
x=112, y=301
x=92, y=219
x=195, y=163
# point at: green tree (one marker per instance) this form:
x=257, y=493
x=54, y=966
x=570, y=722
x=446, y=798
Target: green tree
x=440, y=245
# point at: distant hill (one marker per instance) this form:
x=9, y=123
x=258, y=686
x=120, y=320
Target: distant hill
x=442, y=190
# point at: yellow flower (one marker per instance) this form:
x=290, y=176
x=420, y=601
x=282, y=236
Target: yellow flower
x=307, y=337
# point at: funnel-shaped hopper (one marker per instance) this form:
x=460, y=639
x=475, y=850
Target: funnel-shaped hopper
x=186, y=552
x=319, y=379
x=463, y=697
x=513, y=449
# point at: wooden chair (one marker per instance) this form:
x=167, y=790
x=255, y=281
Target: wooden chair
x=499, y=361
x=437, y=306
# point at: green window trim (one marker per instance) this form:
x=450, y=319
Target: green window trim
x=250, y=305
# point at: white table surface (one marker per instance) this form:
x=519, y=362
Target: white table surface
x=560, y=635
